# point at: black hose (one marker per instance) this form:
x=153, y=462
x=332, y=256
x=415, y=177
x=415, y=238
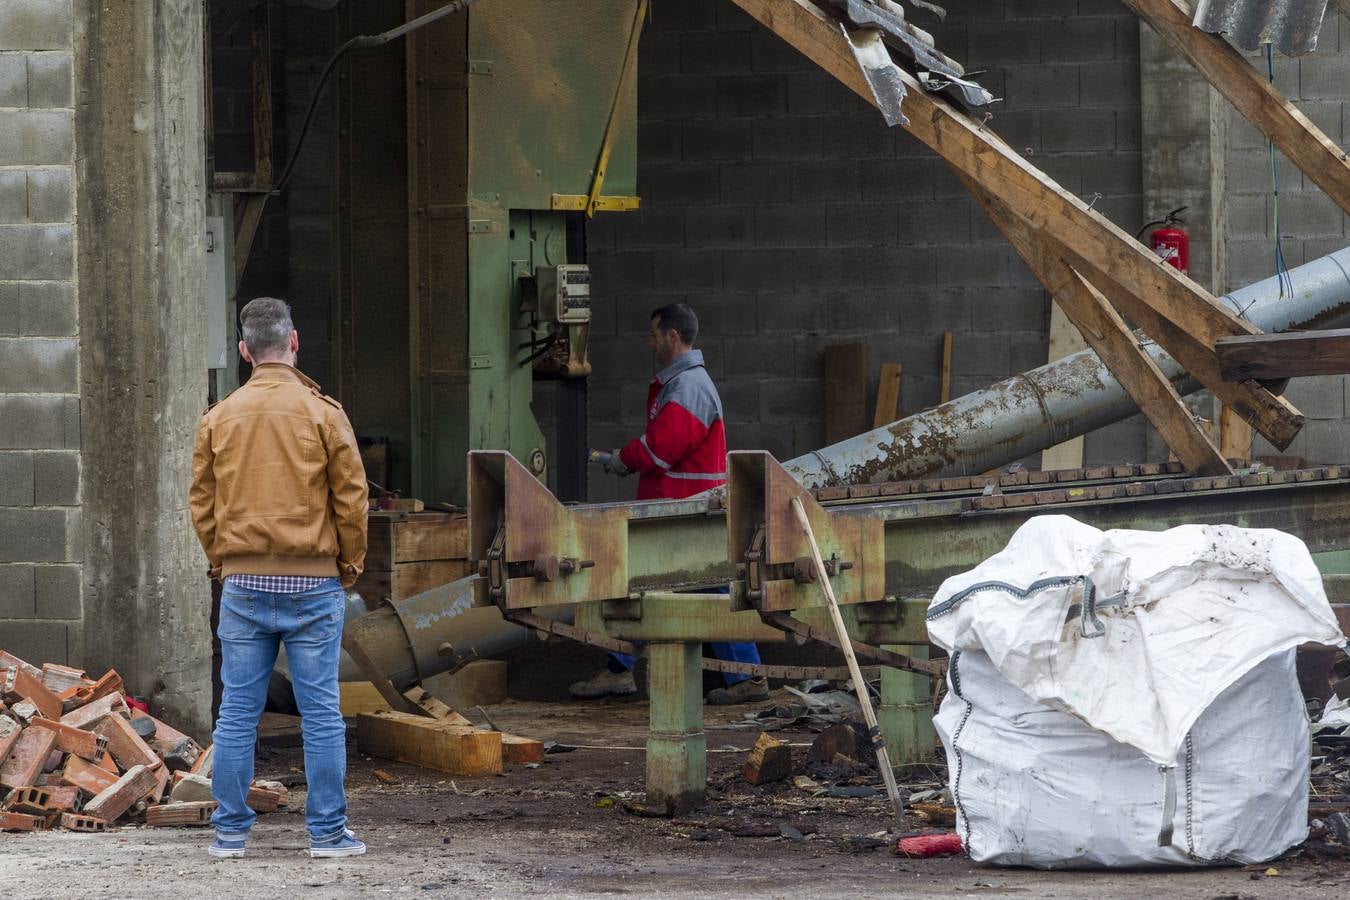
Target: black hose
x=361, y=41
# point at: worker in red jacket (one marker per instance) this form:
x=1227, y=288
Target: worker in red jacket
x=683, y=452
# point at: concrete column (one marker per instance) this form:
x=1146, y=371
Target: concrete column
x=140, y=185
x=1184, y=139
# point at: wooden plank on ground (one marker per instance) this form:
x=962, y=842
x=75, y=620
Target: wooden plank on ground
x=356, y=697
x=1252, y=95
x=429, y=743
x=888, y=408
x=1111, y=339
x=846, y=377
x=1088, y=241
x=1292, y=354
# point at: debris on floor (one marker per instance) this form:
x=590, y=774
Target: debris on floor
x=76, y=753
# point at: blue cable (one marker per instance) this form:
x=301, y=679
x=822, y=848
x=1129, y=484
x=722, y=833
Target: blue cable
x=1281, y=267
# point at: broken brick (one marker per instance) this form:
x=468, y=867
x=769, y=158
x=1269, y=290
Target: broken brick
x=191, y=789
x=63, y=797
x=198, y=813
x=130, y=789
x=178, y=755
x=18, y=684
x=262, y=799
x=70, y=739
x=125, y=744
x=92, y=713
x=9, y=735
x=203, y=764
x=86, y=776
x=10, y=661
x=58, y=678
x=27, y=758
x=12, y=821
x=77, y=822
x=32, y=800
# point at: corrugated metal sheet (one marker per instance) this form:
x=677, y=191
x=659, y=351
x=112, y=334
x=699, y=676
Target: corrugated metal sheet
x=1291, y=25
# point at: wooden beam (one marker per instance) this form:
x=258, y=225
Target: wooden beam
x=430, y=743
x=946, y=390
x=1235, y=436
x=1100, y=251
x=1269, y=414
x=1252, y=95
x=1064, y=340
x=1111, y=339
x=888, y=395
x=1293, y=354
x=846, y=376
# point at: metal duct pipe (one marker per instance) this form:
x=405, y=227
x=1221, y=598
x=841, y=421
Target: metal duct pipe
x=436, y=631
x=1046, y=406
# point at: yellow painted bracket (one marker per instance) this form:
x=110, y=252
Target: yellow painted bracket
x=583, y=203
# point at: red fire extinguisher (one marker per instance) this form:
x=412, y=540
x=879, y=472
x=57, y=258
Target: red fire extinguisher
x=1171, y=242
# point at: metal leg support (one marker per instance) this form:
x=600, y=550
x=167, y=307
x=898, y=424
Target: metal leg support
x=677, y=767
x=906, y=711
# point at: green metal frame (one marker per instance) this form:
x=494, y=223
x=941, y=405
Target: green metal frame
x=662, y=548
x=507, y=107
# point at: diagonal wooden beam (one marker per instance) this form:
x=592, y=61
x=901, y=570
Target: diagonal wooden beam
x=1252, y=95
x=1101, y=252
x=1112, y=340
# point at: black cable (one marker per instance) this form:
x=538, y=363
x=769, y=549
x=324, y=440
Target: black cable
x=361, y=41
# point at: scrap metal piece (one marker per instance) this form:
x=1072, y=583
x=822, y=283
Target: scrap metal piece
x=966, y=92
x=918, y=46
x=881, y=72
x=1291, y=25
x=933, y=8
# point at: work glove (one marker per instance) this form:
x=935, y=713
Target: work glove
x=614, y=465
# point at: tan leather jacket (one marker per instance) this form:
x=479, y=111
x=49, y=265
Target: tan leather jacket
x=277, y=482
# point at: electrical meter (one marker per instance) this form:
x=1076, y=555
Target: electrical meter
x=564, y=293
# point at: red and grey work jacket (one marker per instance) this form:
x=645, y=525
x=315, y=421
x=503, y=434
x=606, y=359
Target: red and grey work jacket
x=684, y=450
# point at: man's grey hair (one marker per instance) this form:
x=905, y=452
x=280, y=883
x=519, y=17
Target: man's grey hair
x=265, y=326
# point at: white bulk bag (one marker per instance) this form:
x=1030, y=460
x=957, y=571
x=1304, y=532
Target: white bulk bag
x=1129, y=698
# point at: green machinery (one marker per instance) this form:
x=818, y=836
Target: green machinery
x=512, y=106
x=605, y=573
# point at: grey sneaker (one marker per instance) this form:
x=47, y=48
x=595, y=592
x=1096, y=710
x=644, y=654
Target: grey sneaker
x=604, y=684
x=752, y=690
x=343, y=844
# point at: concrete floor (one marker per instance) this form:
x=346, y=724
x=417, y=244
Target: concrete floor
x=550, y=831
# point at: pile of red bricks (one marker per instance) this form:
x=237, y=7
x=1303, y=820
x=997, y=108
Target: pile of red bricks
x=74, y=755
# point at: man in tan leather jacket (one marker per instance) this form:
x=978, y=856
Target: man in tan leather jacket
x=279, y=500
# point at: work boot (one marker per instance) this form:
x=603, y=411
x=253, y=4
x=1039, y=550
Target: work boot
x=604, y=684
x=752, y=690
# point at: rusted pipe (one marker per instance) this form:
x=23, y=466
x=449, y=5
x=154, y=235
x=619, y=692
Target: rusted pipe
x=1046, y=406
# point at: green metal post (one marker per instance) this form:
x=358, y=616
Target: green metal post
x=906, y=711
x=677, y=766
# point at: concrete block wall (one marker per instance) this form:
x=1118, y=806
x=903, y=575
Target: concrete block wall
x=40, y=573
x=1311, y=225
x=781, y=207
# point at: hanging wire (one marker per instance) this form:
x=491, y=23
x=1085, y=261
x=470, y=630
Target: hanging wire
x=1281, y=267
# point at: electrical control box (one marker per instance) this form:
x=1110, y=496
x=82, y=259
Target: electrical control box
x=564, y=293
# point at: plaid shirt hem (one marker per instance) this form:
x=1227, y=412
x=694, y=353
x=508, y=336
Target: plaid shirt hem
x=277, y=584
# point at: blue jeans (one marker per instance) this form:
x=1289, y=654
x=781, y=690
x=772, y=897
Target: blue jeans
x=723, y=650
x=252, y=625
